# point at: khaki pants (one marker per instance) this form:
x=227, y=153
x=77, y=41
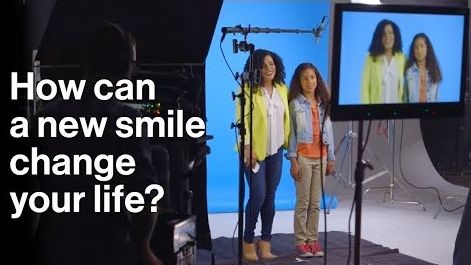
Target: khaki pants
x=308, y=193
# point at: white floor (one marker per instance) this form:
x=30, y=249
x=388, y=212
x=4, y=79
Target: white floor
x=395, y=225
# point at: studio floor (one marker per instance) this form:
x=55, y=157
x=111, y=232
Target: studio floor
x=407, y=227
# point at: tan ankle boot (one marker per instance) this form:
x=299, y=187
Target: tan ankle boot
x=264, y=249
x=249, y=252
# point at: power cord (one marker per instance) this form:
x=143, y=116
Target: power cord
x=325, y=215
x=227, y=63
x=232, y=72
x=345, y=152
x=417, y=187
x=252, y=105
x=349, y=232
x=233, y=237
x=237, y=224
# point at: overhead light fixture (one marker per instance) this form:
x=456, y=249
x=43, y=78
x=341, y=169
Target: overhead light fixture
x=368, y=2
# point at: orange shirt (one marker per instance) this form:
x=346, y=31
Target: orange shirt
x=423, y=88
x=313, y=149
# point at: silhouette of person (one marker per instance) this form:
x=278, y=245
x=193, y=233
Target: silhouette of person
x=462, y=253
x=90, y=236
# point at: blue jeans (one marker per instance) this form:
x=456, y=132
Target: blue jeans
x=261, y=201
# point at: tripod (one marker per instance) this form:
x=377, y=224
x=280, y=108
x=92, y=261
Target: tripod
x=347, y=152
x=347, y=144
x=392, y=181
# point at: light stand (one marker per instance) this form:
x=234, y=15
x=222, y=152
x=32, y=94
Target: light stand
x=349, y=152
x=244, y=46
x=392, y=182
x=347, y=139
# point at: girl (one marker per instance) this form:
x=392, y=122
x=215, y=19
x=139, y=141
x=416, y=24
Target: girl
x=422, y=71
x=311, y=143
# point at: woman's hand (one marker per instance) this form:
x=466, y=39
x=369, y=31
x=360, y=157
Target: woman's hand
x=248, y=155
x=295, y=171
x=330, y=169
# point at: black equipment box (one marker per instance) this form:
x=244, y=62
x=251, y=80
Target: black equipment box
x=174, y=240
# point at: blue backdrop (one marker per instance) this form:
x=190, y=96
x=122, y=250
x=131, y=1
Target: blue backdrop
x=294, y=49
x=444, y=31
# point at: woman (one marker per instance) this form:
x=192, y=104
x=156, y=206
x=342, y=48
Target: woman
x=270, y=136
x=311, y=143
x=383, y=72
x=422, y=71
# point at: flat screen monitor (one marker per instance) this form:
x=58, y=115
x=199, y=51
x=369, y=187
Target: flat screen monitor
x=395, y=61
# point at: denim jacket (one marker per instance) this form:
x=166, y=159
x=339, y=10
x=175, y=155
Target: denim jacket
x=301, y=127
x=413, y=85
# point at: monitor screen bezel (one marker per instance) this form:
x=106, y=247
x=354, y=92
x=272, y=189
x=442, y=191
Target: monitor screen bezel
x=394, y=111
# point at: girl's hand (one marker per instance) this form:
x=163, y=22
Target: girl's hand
x=330, y=169
x=295, y=171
